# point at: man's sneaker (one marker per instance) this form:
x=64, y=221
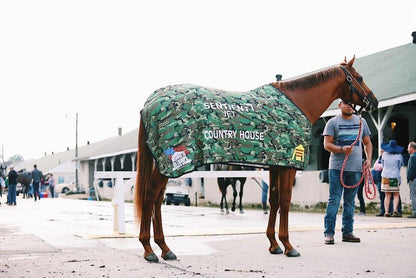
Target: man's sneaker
x=329, y=240
x=350, y=238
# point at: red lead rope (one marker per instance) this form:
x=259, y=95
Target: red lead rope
x=370, y=191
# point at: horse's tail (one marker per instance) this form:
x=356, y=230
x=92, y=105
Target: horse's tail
x=144, y=171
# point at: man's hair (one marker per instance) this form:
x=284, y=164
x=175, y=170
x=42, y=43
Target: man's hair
x=413, y=145
x=34, y=166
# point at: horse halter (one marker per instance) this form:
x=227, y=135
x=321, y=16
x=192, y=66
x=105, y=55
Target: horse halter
x=365, y=98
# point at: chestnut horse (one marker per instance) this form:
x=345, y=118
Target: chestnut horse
x=312, y=94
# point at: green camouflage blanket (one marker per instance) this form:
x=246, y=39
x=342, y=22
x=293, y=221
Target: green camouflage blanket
x=190, y=126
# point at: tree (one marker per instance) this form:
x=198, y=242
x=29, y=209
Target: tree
x=16, y=158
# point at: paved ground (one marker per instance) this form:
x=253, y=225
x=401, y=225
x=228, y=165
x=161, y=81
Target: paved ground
x=74, y=238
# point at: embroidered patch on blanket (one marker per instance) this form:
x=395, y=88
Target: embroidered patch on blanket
x=190, y=126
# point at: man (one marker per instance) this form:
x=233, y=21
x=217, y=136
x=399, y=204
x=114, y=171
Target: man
x=2, y=186
x=339, y=133
x=411, y=176
x=12, y=186
x=36, y=178
x=51, y=182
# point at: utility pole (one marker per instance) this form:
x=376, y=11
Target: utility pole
x=2, y=154
x=76, y=153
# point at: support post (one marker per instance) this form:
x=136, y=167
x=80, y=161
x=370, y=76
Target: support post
x=118, y=203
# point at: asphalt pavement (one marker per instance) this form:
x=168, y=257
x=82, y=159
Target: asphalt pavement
x=65, y=237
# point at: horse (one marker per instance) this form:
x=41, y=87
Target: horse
x=24, y=178
x=311, y=94
x=223, y=183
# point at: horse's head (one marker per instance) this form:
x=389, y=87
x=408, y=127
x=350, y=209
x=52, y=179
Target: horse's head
x=359, y=93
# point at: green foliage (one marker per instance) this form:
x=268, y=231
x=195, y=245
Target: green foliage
x=15, y=158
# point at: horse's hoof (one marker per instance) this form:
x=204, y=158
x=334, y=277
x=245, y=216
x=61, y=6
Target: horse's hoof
x=241, y=211
x=232, y=209
x=228, y=212
x=276, y=251
x=293, y=253
x=169, y=256
x=152, y=258
x=222, y=210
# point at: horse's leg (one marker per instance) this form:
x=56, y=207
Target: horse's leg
x=286, y=179
x=234, y=186
x=223, y=184
x=242, y=182
x=156, y=186
x=225, y=201
x=159, y=237
x=274, y=206
x=221, y=187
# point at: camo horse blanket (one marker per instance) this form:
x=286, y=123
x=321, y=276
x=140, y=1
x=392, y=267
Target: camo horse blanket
x=190, y=126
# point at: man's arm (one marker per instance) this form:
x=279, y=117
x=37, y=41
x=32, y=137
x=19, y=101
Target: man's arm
x=331, y=147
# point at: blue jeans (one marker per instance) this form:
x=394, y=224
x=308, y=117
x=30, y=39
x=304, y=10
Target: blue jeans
x=412, y=186
x=264, y=190
x=335, y=194
x=36, y=190
x=12, y=194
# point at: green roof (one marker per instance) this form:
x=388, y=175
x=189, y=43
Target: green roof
x=390, y=73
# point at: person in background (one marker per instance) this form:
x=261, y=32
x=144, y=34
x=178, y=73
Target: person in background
x=264, y=191
x=376, y=173
x=2, y=187
x=390, y=175
x=361, y=198
x=339, y=134
x=36, y=178
x=411, y=176
x=12, y=186
x=51, y=182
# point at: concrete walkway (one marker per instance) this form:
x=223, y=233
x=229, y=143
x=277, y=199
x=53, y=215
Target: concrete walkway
x=74, y=238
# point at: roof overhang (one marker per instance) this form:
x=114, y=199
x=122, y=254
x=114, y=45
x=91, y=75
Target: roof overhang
x=134, y=150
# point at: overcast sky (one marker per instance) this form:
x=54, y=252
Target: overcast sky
x=102, y=59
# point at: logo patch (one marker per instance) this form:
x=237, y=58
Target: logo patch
x=178, y=156
x=299, y=153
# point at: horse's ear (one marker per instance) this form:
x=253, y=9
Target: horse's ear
x=345, y=59
x=351, y=62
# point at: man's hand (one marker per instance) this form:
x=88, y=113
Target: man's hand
x=347, y=150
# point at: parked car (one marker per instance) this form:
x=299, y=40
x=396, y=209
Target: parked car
x=65, y=187
x=177, y=193
x=19, y=189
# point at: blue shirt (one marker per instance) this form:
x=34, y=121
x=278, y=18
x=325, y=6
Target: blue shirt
x=36, y=175
x=391, y=165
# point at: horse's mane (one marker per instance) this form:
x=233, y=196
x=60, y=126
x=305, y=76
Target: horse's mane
x=311, y=79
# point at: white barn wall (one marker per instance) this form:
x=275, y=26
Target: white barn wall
x=308, y=191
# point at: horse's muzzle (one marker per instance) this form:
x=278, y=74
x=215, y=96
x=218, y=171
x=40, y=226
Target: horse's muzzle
x=371, y=102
